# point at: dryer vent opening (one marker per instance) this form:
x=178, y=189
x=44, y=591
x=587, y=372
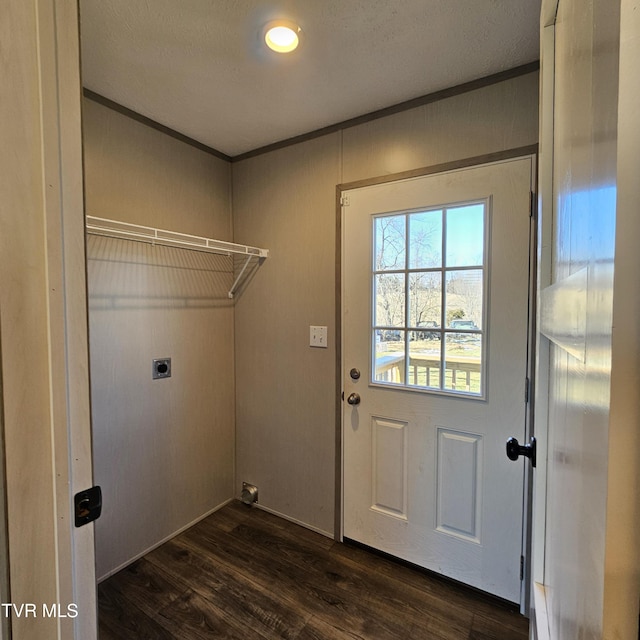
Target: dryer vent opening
x=249, y=493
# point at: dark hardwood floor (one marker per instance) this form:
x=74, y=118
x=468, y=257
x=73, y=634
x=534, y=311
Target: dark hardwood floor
x=245, y=574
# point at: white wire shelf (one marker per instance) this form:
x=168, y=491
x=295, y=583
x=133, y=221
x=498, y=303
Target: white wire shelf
x=139, y=233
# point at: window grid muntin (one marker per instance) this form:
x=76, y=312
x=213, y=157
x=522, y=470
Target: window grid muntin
x=442, y=329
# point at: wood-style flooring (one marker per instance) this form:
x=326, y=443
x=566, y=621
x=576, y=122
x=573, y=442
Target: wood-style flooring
x=245, y=574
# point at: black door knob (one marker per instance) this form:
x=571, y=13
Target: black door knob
x=515, y=450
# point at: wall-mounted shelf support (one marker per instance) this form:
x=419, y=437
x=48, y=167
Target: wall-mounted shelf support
x=150, y=235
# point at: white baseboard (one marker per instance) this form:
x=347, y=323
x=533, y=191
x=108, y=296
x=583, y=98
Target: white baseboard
x=290, y=519
x=166, y=539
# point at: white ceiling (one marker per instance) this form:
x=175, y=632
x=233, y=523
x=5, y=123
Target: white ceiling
x=199, y=67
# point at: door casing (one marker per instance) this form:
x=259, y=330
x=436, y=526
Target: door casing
x=43, y=320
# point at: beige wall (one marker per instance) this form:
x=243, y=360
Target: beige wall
x=285, y=201
x=495, y=118
x=163, y=449
x=137, y=174
x=285, y=403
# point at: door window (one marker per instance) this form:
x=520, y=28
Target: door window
x=429, y=277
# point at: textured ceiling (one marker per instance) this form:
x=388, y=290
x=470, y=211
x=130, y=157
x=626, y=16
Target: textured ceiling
x=199, y=67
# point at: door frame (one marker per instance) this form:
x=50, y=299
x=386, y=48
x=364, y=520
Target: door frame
x=530, y=150
x=539, y=625
x=43, y=324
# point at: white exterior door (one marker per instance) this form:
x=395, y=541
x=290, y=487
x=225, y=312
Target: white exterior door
x=435, y=321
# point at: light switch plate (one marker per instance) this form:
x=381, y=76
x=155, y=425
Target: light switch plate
x=318, y=336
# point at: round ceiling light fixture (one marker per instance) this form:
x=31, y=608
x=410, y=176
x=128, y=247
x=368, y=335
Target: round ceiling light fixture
x=282, y=36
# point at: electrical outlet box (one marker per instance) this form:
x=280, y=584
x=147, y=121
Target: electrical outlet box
x=318, y=336
x=161, y=368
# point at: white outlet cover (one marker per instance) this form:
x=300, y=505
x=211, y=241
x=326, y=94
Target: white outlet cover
x=318, y=336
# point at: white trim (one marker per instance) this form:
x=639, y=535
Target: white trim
x=529, y=470
x=165, y=539
x=542, y=347
x=540, y=618
x=548, y=12
x=63, y=200
x=326, y=534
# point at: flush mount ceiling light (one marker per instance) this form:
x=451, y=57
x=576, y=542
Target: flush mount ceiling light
x=282, y=36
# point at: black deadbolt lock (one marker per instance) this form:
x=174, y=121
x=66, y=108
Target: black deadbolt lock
x=88, y=505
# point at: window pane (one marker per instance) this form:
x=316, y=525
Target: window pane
x=390, y=243
x=425, y=240
x=463, y=358
x=465, y=236
x=425, y=299
x=389, y=300
x=428, y=299
x=389, y=356
x=424, y=359
x=464, y=300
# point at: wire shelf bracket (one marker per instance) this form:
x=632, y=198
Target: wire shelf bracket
x=139, y=233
